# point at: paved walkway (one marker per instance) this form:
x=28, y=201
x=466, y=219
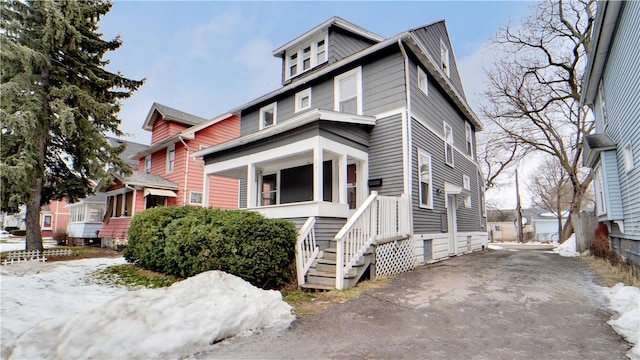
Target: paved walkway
x=487, y=305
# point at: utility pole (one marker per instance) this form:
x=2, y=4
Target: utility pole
x=518, y=212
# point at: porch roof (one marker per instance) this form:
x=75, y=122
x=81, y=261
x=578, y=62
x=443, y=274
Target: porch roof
x=146, y=180
x=303, y=119
x=593, y=145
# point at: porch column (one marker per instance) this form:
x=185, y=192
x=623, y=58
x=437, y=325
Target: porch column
x=342, y=179
x=252, y=186
x=205, y=190
x=362, y=179
x=317, y=173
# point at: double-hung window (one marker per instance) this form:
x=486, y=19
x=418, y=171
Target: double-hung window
x=348, y=92
x=303, y=100
x=468, y=132
x=268, y=115
x=448, y=144
x=171, y=157
x=269, y=191
x=195, y=198
x=423, y=83
x=601, y=207
x=147, y=164
x=47, y=221
x=466, y=184
x=444, y=57
x=425, y=179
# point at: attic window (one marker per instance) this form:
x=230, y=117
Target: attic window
x=306, y=56
x=422, y=81
x=303, y=100
x=444, y=57
x=469, y=138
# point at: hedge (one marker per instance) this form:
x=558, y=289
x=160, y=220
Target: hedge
x=189, y=240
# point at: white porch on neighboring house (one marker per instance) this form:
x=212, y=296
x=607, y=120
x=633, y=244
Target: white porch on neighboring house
x=315, y=176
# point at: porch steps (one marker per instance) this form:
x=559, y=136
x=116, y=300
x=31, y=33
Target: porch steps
x=322, y=274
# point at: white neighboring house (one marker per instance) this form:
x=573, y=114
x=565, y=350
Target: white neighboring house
x=611, y=88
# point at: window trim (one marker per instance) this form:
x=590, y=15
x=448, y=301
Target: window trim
x=468, y=135
x=447, y=144
x=261, y=187
x=336, y=89
x=600, y=194
x=147, y=164
x=445, y=59
x=171, y=164
x=274, y=108
x=50, y=227
x=429, y=204
x=191, y=202
x=299, y=53
x=466, y=184
x=423, y=75
x=298, y=100
x=627, y=156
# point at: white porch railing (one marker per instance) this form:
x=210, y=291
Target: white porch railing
x=379, y=218
x=306, y=249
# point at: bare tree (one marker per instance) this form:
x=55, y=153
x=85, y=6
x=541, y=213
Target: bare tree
x=534, y=87
x=551, y=189
x=499, y=154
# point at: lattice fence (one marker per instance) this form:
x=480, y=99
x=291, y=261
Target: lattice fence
x=395, y=257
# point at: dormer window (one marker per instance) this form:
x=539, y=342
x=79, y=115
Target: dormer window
x=268, y=115
x=444, y=57
x=307, y=56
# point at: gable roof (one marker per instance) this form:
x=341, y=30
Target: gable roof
x=130, y=149
x=170, y=114
x=335, y=21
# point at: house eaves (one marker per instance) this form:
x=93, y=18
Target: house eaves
x=593, y=145
x=147, y=180
x=337, y=21
x=605, y=27
x=170, y=114
x=303, y=119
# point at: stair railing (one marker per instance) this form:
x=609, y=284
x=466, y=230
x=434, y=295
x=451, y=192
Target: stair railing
x=306, y=249
x=377, y=219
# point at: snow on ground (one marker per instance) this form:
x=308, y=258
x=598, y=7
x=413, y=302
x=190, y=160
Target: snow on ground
x=625, y=300
x=567, y=248
x=14, y=243
x=495, y=247
x=49, y=310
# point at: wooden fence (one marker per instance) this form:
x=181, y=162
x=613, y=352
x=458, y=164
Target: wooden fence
x=584, y=226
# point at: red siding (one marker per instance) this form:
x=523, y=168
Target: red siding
x=164, y=129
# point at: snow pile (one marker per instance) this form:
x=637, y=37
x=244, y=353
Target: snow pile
x=625, y=300
x=148, y=323
x=495, y=247
x=567, y=248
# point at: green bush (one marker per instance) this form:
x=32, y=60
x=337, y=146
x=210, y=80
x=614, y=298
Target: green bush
x=242, y=243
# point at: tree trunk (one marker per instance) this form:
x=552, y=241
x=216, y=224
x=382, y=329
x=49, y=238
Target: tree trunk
x=34, y=237
x=559, y=215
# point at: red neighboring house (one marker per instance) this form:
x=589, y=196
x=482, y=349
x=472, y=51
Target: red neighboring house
x=167, y=173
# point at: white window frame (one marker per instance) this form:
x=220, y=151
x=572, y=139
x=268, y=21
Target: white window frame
x=316, y=56
x=147, y=164
x=192, y=193
x=273, y=107
x=171, y=158
x=627, y=154
x=448, y=142
x=425, y=155
x=44, y=216
x=299, y=97
x=602, y=103
x=423, y=81
x=444, y=58
x=357, y=72
x=466, y=184
x=468, y=134
x=600, y=194
x=276, y=191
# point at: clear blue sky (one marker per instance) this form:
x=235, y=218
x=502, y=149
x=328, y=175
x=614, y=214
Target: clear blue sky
x=207, y=57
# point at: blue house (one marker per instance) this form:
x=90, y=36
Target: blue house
x=368, y=146
x=612, y=90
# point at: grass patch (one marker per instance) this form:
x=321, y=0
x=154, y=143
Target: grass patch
x=131, y=276
x=610, y=274
x=305, y=303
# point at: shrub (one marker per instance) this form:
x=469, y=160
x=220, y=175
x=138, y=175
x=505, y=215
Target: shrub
x=600, y=246
x=192, y=241
x=61, y=237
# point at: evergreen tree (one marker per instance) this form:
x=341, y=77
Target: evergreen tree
x=58, y=103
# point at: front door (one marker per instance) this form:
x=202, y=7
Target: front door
x=452, y=223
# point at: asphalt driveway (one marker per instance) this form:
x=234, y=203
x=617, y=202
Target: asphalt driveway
x=487, y=305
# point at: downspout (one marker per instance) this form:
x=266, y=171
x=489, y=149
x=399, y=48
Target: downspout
x=406, y=132
x=186, y=171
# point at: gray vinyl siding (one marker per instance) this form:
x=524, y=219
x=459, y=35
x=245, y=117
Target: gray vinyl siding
x=429, y=220
x=326, y=229
x=622, y=99
x=431, y=41
x=343, y=44
x=385, y=155
x=383, y=84
x=614, y=206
